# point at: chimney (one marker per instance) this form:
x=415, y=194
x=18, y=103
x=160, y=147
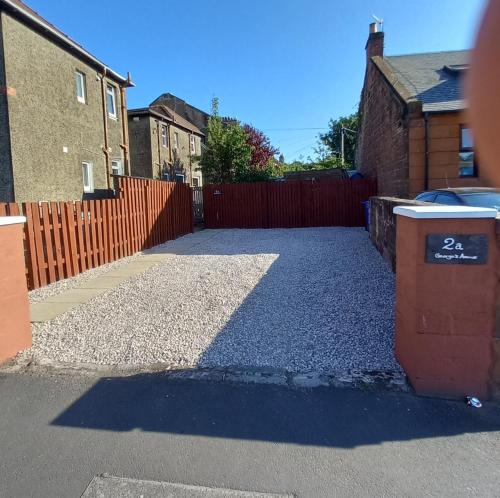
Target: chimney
x=375, y=43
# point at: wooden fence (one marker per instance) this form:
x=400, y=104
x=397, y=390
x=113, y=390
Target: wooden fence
x=63, y=239
x=287, y=204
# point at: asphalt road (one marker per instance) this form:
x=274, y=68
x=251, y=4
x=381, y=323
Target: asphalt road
x=58, y=432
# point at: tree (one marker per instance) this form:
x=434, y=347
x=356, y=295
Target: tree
x=227, y=155
x=329, y=143
x=262, y=150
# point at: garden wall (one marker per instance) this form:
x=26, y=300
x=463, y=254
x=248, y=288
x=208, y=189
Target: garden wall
x=383, y=237
x=383, y=225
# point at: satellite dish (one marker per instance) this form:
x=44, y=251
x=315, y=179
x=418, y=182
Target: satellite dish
x=380, y=22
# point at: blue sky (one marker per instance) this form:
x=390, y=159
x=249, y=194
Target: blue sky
x=281, y=65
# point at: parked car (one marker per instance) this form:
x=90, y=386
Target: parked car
x=465, y=196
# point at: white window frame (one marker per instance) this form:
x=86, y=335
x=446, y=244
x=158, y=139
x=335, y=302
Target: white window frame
x=192, y=144
x=176, y=140
x=164, y=136
x=120, y=166
x=179, y=175
x=90, y=186
x=197, y=179
x=81, y=78
x=111, y=91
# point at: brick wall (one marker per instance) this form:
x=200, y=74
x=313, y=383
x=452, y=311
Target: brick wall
x=496, y=335
x=382, y=149
x=383, y=225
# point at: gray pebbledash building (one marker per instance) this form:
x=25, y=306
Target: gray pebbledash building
x=63, y=117
x=164, y=145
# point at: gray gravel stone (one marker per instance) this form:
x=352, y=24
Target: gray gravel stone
x=302, y=300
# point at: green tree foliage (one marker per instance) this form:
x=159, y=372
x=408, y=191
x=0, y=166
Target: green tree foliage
x=227, y=154
x=236, y=154
x=329, y=144
x=327, y=162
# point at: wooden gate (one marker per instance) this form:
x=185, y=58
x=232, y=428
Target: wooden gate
x=197, y=204
x=292, y=204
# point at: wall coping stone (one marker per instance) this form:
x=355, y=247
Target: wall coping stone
x=445, y=212
x=12, y=220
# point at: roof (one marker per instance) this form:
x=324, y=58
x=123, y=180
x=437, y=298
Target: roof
x=195, y=116
x=434, y=79
x=32, y=18
x=177, y=119
x=163, y=112
x=169, y=95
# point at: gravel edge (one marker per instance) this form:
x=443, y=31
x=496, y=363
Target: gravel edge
x=373, y=380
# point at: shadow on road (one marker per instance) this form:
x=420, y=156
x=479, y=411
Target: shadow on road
x=323, y=416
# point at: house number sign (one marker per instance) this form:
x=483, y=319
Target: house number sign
x=456, y=249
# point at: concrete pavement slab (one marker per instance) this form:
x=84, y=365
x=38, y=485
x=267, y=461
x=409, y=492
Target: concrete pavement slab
x=46, y=311
x=79, y=295
x=120, y=487
x=104, y=282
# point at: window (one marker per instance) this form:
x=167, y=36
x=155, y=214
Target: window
x=81, y=87
x=176, y=140
x=426, y=196
x=467, y=164
x=179, y=178
x=164, y=136
x=448, y=199
x=88, y=179
x=192, y=144
x=111, y=101
x=116, y=167
x=196, y=181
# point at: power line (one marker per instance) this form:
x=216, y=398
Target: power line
x=294, y=129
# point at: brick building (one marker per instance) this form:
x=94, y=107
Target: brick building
x=413, y=129
x=63, y=120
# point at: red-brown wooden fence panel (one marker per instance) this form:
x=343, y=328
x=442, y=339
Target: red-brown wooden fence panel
x=63, y=239
x=293, y=204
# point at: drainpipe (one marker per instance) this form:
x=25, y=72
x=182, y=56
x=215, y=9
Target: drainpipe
x=190, y=160
x=105, y=148
x=170, y=142
x=426, y=145
x=159, y=147
x=125, y=142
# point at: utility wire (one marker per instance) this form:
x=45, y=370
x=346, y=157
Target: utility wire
x=293, y=129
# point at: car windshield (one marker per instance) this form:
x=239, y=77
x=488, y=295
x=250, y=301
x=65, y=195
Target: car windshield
x=490, y=199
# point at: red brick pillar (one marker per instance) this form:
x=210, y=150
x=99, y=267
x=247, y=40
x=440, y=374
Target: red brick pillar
x=15, y=330
x=445, y=298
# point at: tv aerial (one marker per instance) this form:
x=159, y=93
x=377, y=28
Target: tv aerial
x=380, y=22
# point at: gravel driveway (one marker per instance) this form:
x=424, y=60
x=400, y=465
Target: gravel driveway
x=318, y=299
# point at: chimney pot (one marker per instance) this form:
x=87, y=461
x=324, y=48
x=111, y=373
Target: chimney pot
x=375, y=43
